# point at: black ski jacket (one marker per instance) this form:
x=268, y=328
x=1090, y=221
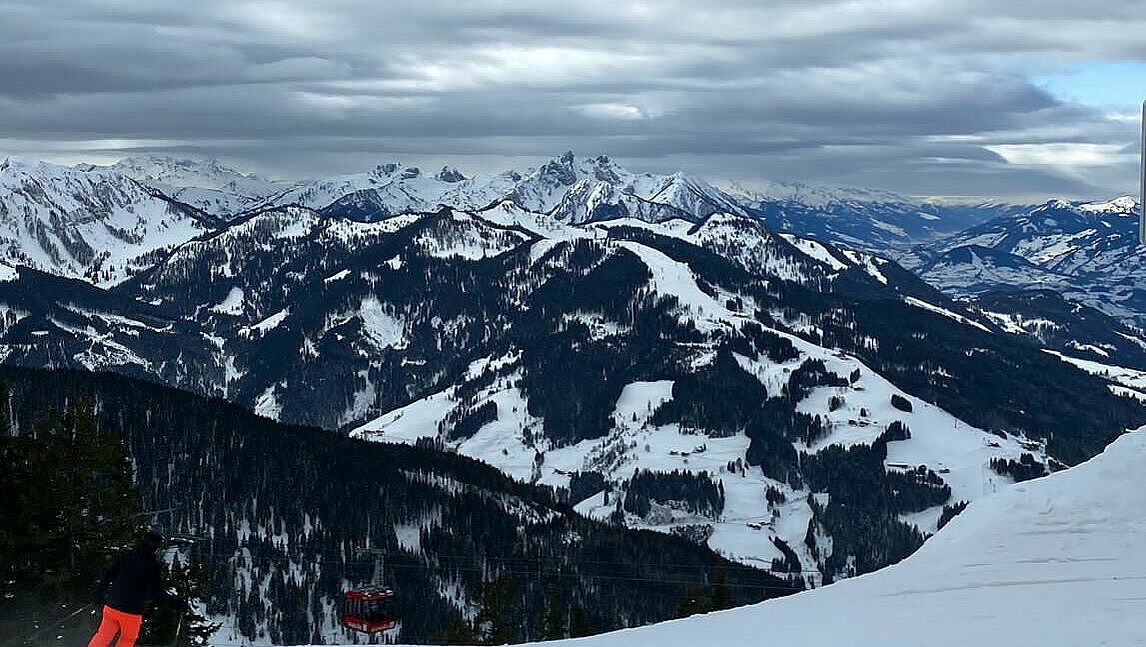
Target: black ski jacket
x=132, y=580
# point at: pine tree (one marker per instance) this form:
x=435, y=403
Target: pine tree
x=186, y=581
x=4, y=400
x=554, y=626
x=71, y=502
x=499, y=620
x=692, y=604
x=721, y=593
x=457, y=632
x=579, y=625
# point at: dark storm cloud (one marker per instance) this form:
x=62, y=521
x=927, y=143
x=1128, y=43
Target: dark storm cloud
x=925, y=96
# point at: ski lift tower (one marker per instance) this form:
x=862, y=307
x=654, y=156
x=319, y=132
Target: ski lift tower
x=1142, y=189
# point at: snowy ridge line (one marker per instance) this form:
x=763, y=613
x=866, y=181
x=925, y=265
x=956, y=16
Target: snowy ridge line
x=214, y=195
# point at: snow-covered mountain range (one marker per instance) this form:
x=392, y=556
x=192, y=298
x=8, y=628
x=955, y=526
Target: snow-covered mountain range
x=649, y=345
x=593, y=357
x=393, y=188
x=207, y=185
x=97, y=225
x=1087, y=252
x=572, y=189
x=51, y=216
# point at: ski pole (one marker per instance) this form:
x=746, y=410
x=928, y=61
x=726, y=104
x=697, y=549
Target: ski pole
x=178, y=627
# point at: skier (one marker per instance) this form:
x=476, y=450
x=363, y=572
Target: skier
x=134, y=578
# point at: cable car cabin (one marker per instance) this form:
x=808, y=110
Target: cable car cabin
x=369, y=610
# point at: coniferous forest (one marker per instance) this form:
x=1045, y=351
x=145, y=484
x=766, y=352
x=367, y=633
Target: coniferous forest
x=280, y=520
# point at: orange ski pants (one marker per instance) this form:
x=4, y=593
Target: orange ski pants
x=117, y=622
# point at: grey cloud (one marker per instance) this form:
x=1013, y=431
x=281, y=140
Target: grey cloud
x=902, y=94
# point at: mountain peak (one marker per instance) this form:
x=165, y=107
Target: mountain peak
x=560, y=170
x=386, y=169
x=14, y=163
x=450, y=175
x=159, y=167
x=1120, y=205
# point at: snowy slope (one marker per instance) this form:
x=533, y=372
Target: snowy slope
x=1060, y=561
x=97, y=225
x=939, y=441
x=974, y=269
x=94, y=330
x=1125, y=381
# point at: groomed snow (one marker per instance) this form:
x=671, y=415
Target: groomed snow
x=1060, y=561
x=919, y=303
x=816, y=250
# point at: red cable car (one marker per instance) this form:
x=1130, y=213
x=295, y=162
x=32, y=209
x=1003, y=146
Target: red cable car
x=369, y=609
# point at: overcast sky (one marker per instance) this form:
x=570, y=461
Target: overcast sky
x=1014, y=98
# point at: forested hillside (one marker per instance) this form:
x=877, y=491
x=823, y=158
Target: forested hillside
x=286, y=515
